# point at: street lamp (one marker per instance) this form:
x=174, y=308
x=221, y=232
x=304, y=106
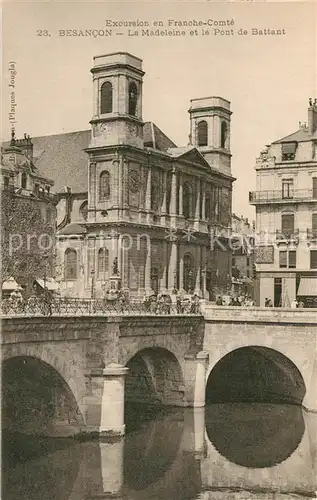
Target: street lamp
x=190, y=281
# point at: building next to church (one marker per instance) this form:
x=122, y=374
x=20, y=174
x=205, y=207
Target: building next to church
x=242, y=243
x=135, y=210
x=28, y=218
x=286, y=217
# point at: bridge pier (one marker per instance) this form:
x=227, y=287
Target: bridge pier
x=105, y=404
x=196, y=365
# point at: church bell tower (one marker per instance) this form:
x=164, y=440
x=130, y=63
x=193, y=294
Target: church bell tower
x=117, y=83
x=210, y=119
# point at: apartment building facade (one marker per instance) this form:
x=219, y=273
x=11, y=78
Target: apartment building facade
x=286, y=217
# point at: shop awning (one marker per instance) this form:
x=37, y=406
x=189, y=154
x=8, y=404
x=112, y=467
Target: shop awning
x=307, y=287
x=50, y=284
x=10, y=285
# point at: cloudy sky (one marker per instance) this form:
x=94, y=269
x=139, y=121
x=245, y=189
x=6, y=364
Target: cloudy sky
x=268, y=79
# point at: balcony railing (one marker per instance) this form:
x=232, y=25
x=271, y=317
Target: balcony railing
x=256, y=197
x=287, y=235
x=312, y=234
x=37, y=306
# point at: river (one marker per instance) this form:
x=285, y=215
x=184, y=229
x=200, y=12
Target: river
x=221, y=452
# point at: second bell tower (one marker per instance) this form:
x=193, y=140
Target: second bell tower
x=117, y=118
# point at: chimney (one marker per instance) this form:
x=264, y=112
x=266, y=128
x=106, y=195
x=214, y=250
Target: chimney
x=312, y=116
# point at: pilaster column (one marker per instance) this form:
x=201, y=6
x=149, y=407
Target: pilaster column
x=112, y=403
x=148, y=287
x=173, y=193
x=180, y=196
x=164, y=203
x=165, y=265
x=172, y=265
x=198, y=270
x=197, y=208
x=204, y=271
x=203, y=203
x=181, y=270
x=148, y=190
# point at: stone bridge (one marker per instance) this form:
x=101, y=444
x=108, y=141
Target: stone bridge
x=64, y=375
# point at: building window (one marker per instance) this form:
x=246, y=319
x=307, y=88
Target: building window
x=103, y=262
x=277, y=292
x=23, y=180
x=314, y=187
x=314, y=222
x=133, y=98
x=233, y=261
x=292, y=259
x=37, y=189
x=313, y=259
x=104, y=185
x=6, y=182
x=187, y=200
x=288, y=259
x=287, y=188
x=84, y=210
x=202, y=133
x=70, y=264
x=248, y=273
x=224, y=134
x=283, y=259
x=106, y=98
x=289, y=151
x=248, y=261
x=287, y=224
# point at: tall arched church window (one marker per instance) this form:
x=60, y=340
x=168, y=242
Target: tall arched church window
x=187, y=200
x=188, y=275
x=103, y=263
x=224, y=134
x=106, y=98
x=202, y=133
x=23, y=180
x=104, y=185
x=70, y=264
x=83, y=211
x=133, y=98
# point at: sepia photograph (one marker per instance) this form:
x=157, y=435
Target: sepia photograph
x=158, y=231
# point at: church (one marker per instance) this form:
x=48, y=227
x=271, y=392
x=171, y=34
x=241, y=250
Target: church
x=136, y=212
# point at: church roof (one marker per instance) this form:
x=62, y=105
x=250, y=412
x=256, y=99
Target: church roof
x=300, y=135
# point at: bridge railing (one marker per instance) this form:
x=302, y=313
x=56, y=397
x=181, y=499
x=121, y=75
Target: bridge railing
x=95, y=307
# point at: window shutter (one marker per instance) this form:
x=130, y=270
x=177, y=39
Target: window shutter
x=292, y=259
x=283, y=258
x=287, y=223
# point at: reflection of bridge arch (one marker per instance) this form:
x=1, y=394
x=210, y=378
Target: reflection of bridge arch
x=155, y=377
x=255, y=435
x=36, y=398
x=255, y=374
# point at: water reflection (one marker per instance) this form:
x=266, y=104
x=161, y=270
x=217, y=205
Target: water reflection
x=175, y=456
x=254, y=435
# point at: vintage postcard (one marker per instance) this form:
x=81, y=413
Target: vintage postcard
x=159, y=250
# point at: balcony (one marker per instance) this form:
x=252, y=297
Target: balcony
x=311, y=235
x=278, y=196
x=287, y=236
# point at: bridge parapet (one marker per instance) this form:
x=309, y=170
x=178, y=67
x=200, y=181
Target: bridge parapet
x=259, y=314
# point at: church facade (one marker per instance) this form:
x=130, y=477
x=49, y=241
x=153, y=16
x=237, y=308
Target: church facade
x=154, y=217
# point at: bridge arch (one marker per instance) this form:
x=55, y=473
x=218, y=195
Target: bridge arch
x=255, y=374
x=155, y=377
x=37, y=398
